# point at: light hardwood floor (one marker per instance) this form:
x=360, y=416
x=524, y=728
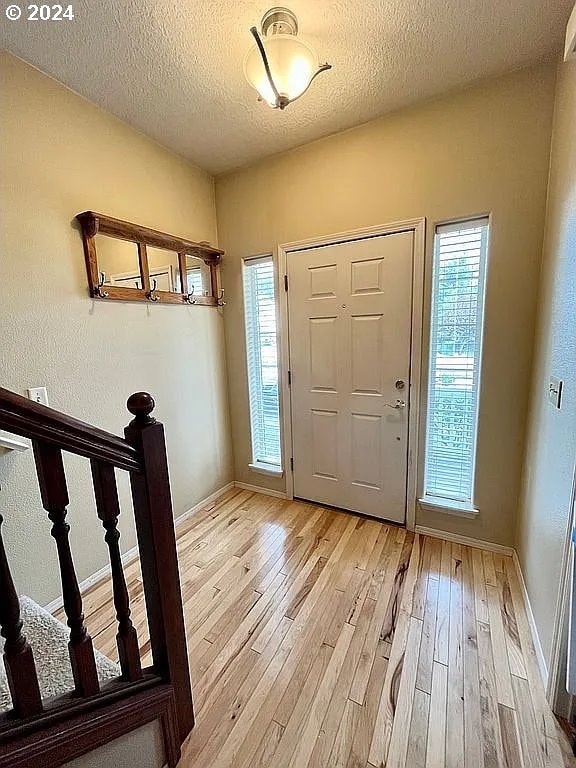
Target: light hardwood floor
x=318, y=638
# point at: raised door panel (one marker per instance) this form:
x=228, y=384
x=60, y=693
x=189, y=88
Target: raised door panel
x=366, y=451
x=324, y=455
x=366, y=332
x=367, y=276
x=323, y=281
x=322, y=344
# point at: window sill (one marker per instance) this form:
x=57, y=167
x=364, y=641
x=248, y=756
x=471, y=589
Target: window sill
x=262, y=468
x=448, y=507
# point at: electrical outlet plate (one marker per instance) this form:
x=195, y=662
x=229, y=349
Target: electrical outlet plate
x=555, y=391
x=39, y=395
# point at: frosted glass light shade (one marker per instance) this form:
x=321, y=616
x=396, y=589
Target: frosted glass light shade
x=293, y=64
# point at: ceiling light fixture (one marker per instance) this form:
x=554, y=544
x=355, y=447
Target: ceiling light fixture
x=280, y=67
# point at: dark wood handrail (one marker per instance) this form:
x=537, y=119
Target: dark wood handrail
x=38, y=422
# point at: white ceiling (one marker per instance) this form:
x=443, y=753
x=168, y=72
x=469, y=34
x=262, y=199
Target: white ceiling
x=174, y=69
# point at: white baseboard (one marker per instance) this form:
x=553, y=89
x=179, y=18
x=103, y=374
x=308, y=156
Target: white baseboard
x=259, y=489
x=202, y=504
x=128, y=556
x=532, y=622
x=467, y=541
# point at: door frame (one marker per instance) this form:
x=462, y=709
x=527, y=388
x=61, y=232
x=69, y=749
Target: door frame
x=418, y=228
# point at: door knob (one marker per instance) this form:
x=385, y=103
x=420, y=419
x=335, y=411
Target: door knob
x=397, y=405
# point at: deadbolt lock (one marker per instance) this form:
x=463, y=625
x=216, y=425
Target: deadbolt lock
x=400, y=384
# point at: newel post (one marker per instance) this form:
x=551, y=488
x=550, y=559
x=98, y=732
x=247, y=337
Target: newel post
x=158, y=556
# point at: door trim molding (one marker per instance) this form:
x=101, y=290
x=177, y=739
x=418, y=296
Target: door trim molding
x=418, y=227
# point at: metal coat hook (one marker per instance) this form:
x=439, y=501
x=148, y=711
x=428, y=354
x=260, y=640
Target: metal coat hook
x=189, y=298
x=98, y=290
x=221, y=302
x=151, y=293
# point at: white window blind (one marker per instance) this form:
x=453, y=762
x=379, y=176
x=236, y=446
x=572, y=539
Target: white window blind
x=459, y=279
x=195, y=281
x=262, y=351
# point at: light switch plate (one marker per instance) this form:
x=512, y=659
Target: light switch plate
x=555, y=391
x=39, y=395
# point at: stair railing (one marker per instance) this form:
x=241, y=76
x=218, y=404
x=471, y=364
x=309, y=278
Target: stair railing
x=51, y=732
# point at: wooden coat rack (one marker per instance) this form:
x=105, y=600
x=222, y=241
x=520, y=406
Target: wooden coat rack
x=96, y=223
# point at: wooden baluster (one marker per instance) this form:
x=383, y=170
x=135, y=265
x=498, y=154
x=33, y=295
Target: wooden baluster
x=158, y=556
x=18, y=657
x=108, y=508
x=52, y=480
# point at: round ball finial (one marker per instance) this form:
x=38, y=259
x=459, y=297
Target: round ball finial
x=141, y=405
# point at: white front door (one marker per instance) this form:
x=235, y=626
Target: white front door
x=350, y=310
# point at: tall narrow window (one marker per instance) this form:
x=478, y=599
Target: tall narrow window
x=459, y=279
x=262, y=351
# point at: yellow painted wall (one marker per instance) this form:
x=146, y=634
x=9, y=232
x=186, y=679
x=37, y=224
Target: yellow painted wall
x=551, y=447
x=484, y=149
x=60, y=155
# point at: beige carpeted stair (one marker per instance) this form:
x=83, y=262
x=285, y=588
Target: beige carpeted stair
x=49, y=640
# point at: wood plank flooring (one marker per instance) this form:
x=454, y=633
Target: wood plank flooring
x=318, y=638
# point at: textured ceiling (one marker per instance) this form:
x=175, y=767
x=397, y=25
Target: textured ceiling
x=174, y=69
